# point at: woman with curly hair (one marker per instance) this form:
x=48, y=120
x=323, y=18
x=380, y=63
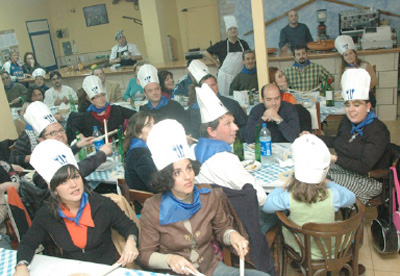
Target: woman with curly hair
x=179, y=223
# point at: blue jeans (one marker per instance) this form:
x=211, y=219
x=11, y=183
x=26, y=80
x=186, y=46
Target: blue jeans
x=223, y=270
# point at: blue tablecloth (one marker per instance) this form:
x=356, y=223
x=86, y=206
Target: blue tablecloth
x=8, y=259
x=116, y=172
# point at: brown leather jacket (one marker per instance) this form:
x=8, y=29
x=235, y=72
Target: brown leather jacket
x=174, y=238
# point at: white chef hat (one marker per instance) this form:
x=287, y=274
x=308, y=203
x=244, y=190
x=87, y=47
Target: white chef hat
x=119, y=34
x=198, y=70
x=39, y=116
x=355, y=84
x=167, y=143
x=49, y=156
x=92, y=86
x=211, y=107
x=38, y=72
x=147, y=74
x=344, y=43
x=230, y=21
x=311, y=159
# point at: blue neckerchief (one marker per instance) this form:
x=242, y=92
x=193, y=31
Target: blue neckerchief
x=195, y=106
x=302, y=66
x=252, y=71
x=84, y=201
x=92, y=108
x=44, y=87
x=352, y=65
x=28, y=127
x=136, y=143
x=163, y=102
x=173, y=210
x=11, y=85
x=370, y=117
x=207, y=148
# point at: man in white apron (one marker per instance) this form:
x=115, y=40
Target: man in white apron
x=229, y=53
x=124, y=53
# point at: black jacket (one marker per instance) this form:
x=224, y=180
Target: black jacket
x=365, y=152
x=85, y=124
x=139, y=166
x=99, y=247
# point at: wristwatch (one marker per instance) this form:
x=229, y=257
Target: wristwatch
x=279, y=121
x=23, y=262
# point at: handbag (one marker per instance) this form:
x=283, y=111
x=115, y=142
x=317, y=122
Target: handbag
x=384, y=233
x=396, y=213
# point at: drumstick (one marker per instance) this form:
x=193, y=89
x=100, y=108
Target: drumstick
x=241, y=265
x=193, y=139
x=105, y=130
x=109, y=133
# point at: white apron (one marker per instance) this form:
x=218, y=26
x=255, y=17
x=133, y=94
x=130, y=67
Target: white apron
x=230, y=68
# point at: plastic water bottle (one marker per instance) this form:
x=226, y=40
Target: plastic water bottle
x=97, y=142
x=265, y=145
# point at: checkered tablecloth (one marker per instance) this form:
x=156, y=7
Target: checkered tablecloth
x=268, y=175
x=8, y=259
x=326, y=111
x=116, y=172
x=45, y=265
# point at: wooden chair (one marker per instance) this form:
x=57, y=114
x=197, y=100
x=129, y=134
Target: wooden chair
x=274, y=243
x=337, y=242
x=139, y=196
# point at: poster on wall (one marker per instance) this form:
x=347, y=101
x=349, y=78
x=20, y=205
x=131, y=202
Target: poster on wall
x=95, y=15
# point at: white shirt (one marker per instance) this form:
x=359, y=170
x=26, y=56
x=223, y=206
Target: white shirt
x=51, y=95
x=132, y=48
x=225, y=169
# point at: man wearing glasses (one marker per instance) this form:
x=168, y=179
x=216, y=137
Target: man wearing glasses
x=45, y=126
x=59, y=93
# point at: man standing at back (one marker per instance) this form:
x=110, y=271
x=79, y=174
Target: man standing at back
x=124, y=53
x=294, y=33
x=229, y=54
x=305, y=75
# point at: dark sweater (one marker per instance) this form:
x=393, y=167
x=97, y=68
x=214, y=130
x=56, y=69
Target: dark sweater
x=299, y=35
x=243, y=81
x=365, y=152
x=117, y=117
x=173, y=110
x=99, y=247
x=286, y=131
x=21, y=150
x=138, y=168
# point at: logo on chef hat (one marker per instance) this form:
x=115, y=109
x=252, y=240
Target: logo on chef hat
x=147, y=79
x=179, y=151
x=50, y=118
x=95, y=89
x=350, y=93
x=62, y=159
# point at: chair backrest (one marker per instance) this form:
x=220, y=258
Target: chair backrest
x=337, y=243
x=304, y=118
x=139, y=196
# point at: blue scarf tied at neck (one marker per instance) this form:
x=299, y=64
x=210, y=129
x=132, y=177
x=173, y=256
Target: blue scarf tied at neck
x=136, y=143
x=300, y=65
x=358, y=128
x=84, y=201
x=173, y=210
x=92, y=108
x=252, y=71
x=163, y=102
x=207, y=148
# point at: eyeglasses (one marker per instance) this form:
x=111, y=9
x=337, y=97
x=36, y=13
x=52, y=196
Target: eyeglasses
x=56, y=78
x=55, y=132
x=98, y=96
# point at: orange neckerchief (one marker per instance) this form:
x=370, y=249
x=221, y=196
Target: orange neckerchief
x=288, y=97
x=79, y=233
